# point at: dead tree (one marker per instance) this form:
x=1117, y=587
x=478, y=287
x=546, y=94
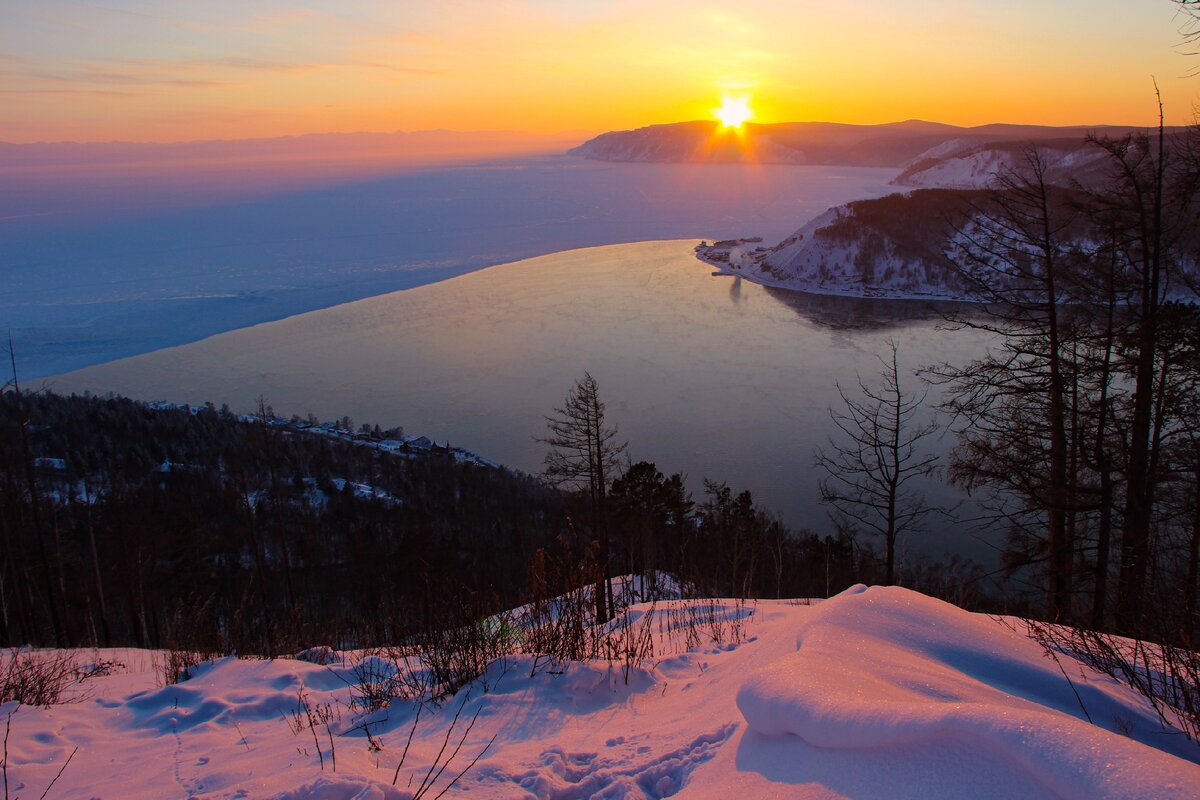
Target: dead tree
x=1013, y=408
x=869, y=472
x=1149, y=200
x=584, y=455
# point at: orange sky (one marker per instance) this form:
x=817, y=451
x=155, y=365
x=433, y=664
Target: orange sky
x=161, y=70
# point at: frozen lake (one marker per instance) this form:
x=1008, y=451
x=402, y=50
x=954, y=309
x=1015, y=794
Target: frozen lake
x=76, y=289
x=713, y=376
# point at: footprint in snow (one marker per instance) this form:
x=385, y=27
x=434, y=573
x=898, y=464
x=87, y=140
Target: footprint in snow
x=579, y=776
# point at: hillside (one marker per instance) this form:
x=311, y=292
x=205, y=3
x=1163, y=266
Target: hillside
x=894, y=246
x=193, y=523
x=875, y=693
x=909, y=144
x=124, y=523
x=911, y=244
x=966, y=164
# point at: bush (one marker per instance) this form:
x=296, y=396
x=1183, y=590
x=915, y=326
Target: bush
x=37, y=677
x=1167, y=675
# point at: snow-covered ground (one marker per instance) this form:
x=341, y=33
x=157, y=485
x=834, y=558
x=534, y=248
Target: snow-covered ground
x=876, y=693
x=902, y=246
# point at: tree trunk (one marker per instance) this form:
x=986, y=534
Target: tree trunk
x=1135, y=535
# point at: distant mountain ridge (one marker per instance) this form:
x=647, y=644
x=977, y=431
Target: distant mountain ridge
x=895, y=144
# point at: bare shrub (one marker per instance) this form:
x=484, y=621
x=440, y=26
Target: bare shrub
x=99, y=668
x=313, y=717
x=37, y=677
x=557, y=624
x=193, y=638
x=460, y=653
x=177, y=666
x=629, y=640
x=383, y=677
x=684, y=625
x=1167, y=675
x=442, y=760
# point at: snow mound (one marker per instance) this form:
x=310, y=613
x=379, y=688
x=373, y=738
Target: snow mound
x=582, y=687
x=225, y=691
x=322, y=655
x=344, y=789
x=885, y=667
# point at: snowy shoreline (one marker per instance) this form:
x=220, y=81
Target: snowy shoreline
x=737, y=258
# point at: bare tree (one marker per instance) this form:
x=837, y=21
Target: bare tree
x=1189, y=31
x=1150, y=202
x=868, y=474
x=1015, y=407
x=584, y=455
x=35, y=504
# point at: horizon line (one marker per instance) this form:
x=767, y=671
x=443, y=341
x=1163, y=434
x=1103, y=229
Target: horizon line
x=549, y=135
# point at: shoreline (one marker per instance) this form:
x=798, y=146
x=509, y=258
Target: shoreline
x=736, y=254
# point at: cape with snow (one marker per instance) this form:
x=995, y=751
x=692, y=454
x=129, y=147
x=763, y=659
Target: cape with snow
x=894, y=246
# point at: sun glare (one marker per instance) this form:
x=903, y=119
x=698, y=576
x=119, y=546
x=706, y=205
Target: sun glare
x=734, y=111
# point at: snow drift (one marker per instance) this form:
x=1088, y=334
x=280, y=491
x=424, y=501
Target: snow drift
x=884, y=667
x=876, y=693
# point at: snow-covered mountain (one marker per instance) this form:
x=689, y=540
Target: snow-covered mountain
x=967, y=164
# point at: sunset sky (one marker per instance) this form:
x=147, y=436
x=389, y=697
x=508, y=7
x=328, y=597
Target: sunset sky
x=159, y=70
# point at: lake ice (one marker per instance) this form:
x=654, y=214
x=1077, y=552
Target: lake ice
x=81, y=289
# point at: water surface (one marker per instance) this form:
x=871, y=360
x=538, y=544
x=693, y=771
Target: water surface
x=75, y=291
x=713, y=376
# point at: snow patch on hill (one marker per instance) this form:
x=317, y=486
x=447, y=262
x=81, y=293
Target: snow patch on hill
x=966, y=164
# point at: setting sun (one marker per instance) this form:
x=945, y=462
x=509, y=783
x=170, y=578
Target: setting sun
x=734, y=111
